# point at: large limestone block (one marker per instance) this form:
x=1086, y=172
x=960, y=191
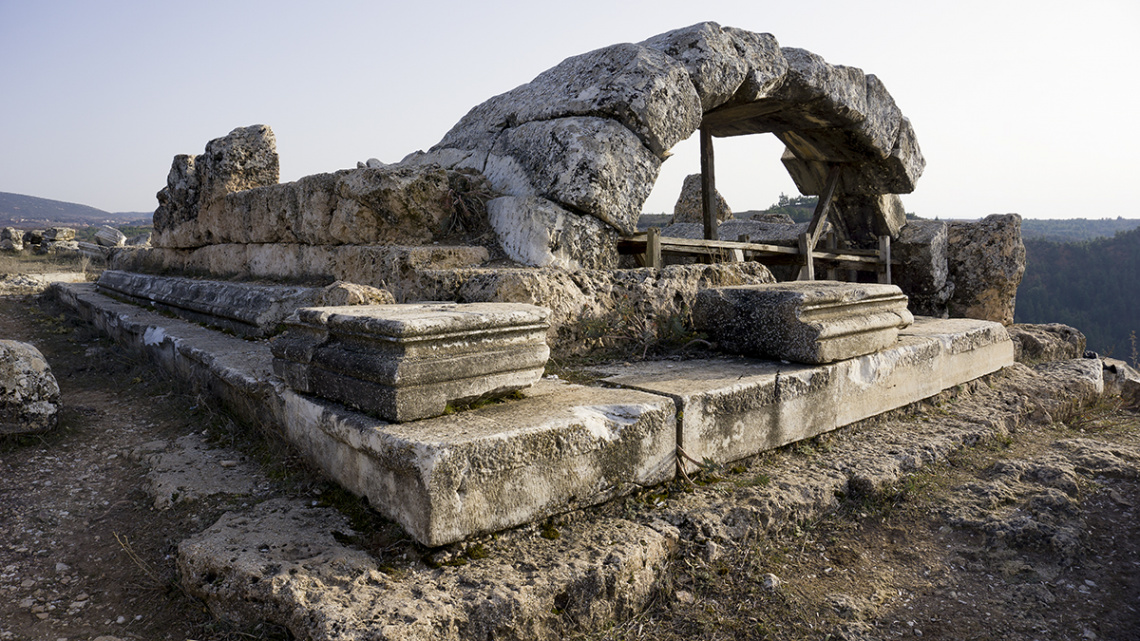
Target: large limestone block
x=897, y=173
x=536, y=232
x=407, y=362
x=639, y=87
x=866, y=217
x=723, y=61
x=1035, y=344
x=591, y=165
x=59, y=235
x=246, y=158
x=11, y=239
x=986, y=262
x=29, y=394
x=558, y=448
x=690, y=208
x=804, y=321
x=855, y=135
x=817, y=94
x=921, y=269
x=732, y=408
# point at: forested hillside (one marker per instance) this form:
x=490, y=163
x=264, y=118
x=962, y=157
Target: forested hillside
x=1093, y=286
x=1075, y=229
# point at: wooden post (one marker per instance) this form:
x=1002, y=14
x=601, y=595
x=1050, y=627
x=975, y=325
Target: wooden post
x=885, y=258
x=708, y=186
x=807, y=272
x=653, y=248
x=832, y=243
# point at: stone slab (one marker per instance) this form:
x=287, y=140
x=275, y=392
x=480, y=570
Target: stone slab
x=244, y=308
x=407, y=362
x=803, y=321
x=559, y=447
x=735, y=407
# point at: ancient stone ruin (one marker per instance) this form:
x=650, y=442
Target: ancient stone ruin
x=416, y=378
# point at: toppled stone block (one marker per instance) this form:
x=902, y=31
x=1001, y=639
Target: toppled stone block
x=805, y=321
x=920, y=266
x=897, y=173
x=1117, y=375
x=59, y=234
x=986, y=262
x=110, y=237
x=343, y=293
x=33, y=237
x=537, y=232
x=1034, y=344
x=29, y=394
x=407, y=362
x=11, y=239
x=690, y=208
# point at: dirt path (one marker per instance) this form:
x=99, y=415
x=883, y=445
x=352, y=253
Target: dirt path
x=83, y=552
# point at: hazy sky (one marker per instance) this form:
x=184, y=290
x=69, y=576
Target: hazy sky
x=1027, y=107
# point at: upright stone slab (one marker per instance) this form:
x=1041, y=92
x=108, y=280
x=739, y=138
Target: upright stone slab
x=806, y=321
x=407, y=362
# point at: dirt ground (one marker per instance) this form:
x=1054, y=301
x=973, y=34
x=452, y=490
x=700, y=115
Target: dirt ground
x=1003, y=541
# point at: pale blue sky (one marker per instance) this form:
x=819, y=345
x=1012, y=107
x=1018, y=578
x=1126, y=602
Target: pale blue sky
x=1027, y=107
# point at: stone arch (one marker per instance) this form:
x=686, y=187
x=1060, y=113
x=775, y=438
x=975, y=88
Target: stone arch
x=588, y=136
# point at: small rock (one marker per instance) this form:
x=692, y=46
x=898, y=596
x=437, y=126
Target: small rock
x=771, y=582
x=684, y=596
x=60, y=568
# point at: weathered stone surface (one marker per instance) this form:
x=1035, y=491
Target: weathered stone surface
x=592, y=165
x=92, y=250
x=188, y=469
x=645, y=91
x=59, y=234
x=723, y=61
x=33, y=236
x=245, y=158
x=58, y=247
x=805, y=321
x=921, y=269
x=766, y=217
x=29, y=394
x=732, y=408
x=536, y=232
x=772, y=233
x=689, y=207
x=283, y=561
x=625, y=310
x=1130, y=393
x=244, y=308
x=110, y=237
x=1034, y=344
x=497, y=466
x=343, y=293
x=895, y=174
x=408, y=362
x=986, y=262
x=865, y=218
x=1117, y=373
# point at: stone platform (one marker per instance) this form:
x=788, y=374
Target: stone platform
x=560, y=446
x=732, y=408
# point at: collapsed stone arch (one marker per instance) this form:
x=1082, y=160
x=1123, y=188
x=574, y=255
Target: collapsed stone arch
x=583, y=142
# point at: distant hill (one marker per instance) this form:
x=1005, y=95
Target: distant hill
x=1089, y=285
x=1075, y=229
x=17, y=210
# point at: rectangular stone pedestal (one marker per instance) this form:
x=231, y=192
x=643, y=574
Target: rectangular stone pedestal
x=804, y=321
x=407, y=362
x=737, y=407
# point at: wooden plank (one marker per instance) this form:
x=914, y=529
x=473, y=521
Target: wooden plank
x=674, y=242
x=708, y=186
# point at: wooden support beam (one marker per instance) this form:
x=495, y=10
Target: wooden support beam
x=832, y=244
x=885, y=259
x=653, y=248
x=807, y=271
x=708, y=186
x=819, y=217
